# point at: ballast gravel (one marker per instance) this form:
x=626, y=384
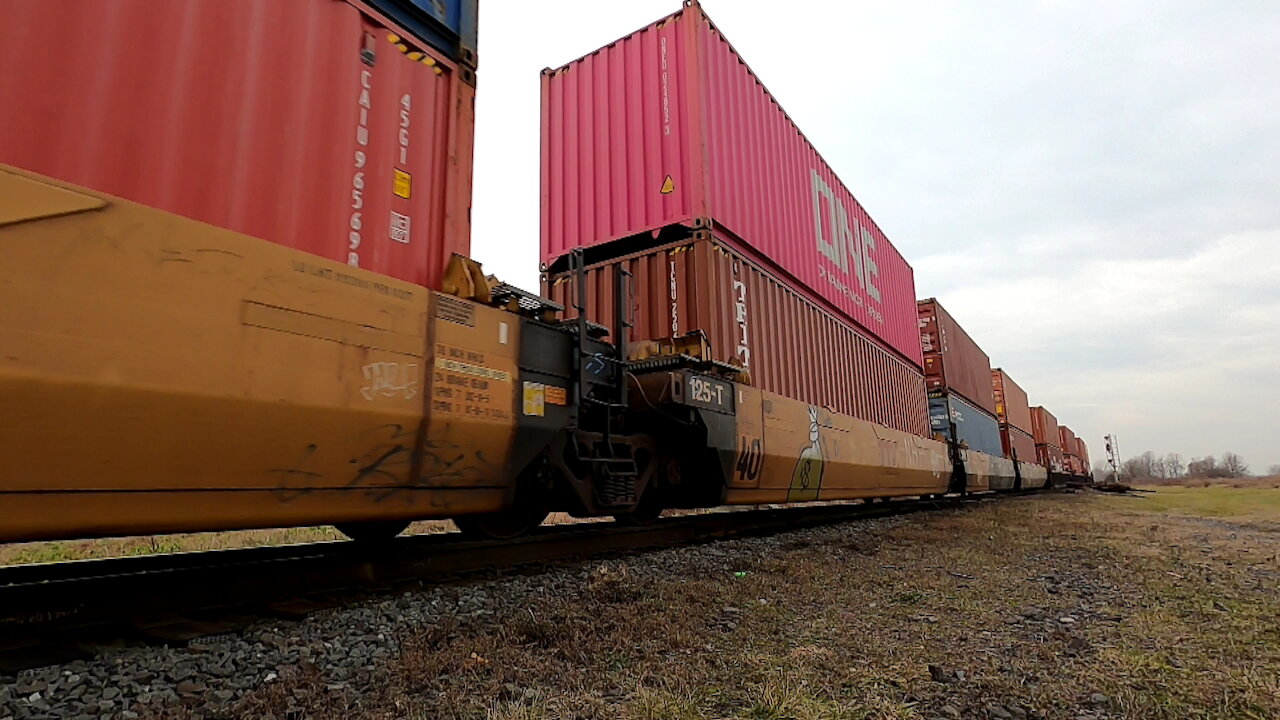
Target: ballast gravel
x=349, y=651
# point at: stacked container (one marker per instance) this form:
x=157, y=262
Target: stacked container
x=662, y=152
x=1044, y=428
x=1070, y=451
x=1082, y=451
x=791, y=345
x=958, y=376
x=1013, y=410
x=324, y=125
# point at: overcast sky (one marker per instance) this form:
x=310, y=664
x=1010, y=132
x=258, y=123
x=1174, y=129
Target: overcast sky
x=1091, y=188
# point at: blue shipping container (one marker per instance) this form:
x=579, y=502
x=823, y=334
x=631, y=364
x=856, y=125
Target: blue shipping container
x=447, y=25
x=974, y=427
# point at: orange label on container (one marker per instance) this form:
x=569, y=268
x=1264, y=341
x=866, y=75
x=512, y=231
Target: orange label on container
x=668, y=186
x=557, y=395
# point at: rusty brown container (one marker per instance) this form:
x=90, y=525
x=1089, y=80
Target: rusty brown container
x=953, y=362
x=1073, y=464
x=1066, y=440
x=1019, y=442
x=789, y=344
x=1051, y=457
x=1012, y=406
x=1082, y=450
x=1044, y=427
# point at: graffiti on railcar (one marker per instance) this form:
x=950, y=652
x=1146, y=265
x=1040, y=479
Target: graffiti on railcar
x=295, y=480
x=806, y=479
x=390, y=379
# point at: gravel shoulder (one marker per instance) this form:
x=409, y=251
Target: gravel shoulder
x=1055, y=606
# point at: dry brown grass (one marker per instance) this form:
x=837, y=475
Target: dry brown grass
x=1041, y=603
x=1270, y=481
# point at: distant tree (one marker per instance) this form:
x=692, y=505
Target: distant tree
x=1159, y=468
x=1273, y=470
x=1138, y=467
x=1142, y=466
x=1173, y=466
x=1202, y=467
x=1233, y=465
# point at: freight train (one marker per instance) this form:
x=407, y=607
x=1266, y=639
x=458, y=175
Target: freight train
x=242, y=305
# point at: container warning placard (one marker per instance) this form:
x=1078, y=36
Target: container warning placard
x=403, y=184
x=535, y=399
x=399, y=227
x=557, y=395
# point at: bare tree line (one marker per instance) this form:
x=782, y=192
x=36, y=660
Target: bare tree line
x=1148, y=465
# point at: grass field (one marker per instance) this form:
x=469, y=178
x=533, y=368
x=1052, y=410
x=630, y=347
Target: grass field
x=1262, y=503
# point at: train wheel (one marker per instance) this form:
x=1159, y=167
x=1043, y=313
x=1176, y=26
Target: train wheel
x=527, y=510
x=371, y=532
x=646, y=512
x=501, y=525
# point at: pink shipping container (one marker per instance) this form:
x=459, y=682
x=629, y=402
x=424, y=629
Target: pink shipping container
x=316, y=124
x=1044, y=427
x=952, y=360
x=1012, y=406
x=789, y=344
x=668, y=126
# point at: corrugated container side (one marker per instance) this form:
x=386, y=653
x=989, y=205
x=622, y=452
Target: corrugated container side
x=1083, y=451
x=953, y=362
x=1066, y=440
x=791, y=345
x=1074, y=466
x=1044, y=427
x=1051, y=457
x=669, y=126
x=1012, y=405
x=1016, y=441
x=296, y=121
x=974, y=427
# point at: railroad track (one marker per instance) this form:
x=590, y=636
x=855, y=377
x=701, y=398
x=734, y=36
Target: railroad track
x=62, y=611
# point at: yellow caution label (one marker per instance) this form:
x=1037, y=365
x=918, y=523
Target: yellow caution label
x=535, y=399
x=668, y=186
x=403, y=184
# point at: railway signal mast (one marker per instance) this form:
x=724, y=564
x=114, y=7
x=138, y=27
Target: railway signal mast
x=1113, y=457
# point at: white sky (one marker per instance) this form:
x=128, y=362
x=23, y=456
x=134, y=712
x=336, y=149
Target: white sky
x=1091, y=188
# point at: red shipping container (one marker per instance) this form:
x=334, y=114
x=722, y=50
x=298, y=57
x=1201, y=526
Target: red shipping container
x=314, y=124
x=1015, y=440
x=1051, y=457
x=1066, y=440
x=790, y=345
x=1082, y=450
x=669, y=126
x=1012, y=405
x=1044, y=427
x=952, y=360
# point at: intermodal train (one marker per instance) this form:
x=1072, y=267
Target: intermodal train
x=235, y=293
